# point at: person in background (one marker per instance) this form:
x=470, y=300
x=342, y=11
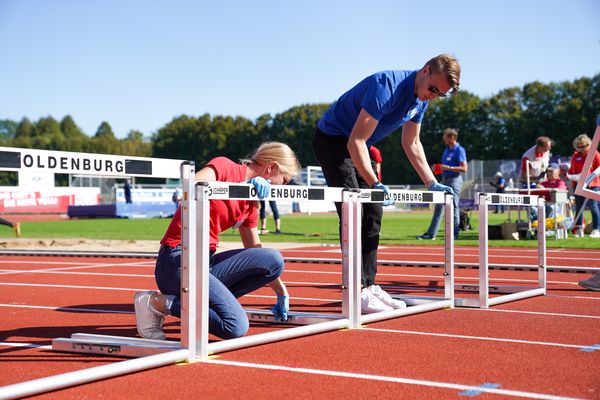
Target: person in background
x=263, y=217
x=454, y=163
x=582, y=144
x=233, y=273
x=538, y=158
x=376, y=156
x=364, y=115
x=127, y=190
x=500, y=186
x=553, y=181
x=16, y=226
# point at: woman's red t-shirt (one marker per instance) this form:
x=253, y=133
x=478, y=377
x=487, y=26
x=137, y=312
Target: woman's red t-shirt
x=224, y=214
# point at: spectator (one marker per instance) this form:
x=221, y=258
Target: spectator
x=127, y=190
x=376, y=156
x=538, y=158
x=16, y=226
x=454, y=162
x=367, y=113
x=553, y=181
x=582, y=144
x=263, y=217
x=500, y=186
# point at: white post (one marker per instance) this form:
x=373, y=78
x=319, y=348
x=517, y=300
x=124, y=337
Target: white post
x=202, y=268
x=483, y=252
x=449, y=248
x=188, y=259
x=541, y=232
x=351, y=258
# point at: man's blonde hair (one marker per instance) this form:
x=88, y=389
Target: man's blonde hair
x=448, y=65
x=582, y=140
x=276, y=152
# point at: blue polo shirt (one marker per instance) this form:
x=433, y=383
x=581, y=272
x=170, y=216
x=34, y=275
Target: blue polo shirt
x=388, y=96
x=453, y=157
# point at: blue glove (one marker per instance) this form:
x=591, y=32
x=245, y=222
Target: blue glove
x=438, y=187
x=261, y=185
x=281, y=308
x=380, y=186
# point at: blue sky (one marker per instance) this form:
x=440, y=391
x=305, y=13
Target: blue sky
x=137, y=64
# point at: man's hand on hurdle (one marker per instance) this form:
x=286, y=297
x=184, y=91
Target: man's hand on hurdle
x=380, y=186
x=438, y=187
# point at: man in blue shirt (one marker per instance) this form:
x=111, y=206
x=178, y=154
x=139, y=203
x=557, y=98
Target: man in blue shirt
x=370, y=111
x=454, y=162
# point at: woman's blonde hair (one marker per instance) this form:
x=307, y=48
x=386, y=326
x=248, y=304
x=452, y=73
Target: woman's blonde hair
x=276, y=152
x=582, y=140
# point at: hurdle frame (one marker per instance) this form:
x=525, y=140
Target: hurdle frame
x=510, y=293
x=194, y=343
x=581, y=188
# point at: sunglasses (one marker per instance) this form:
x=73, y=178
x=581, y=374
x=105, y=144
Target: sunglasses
x=434, y=89
x=581, y=148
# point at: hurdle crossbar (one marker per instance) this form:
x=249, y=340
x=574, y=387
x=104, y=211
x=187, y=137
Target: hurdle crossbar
x=514, y=292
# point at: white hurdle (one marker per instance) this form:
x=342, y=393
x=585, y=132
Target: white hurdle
x=586, y=176
x=510, y=293
x=195, y=266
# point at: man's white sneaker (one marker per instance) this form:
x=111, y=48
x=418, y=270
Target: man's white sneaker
x=386, y=298
x=149, y=321
x=595, y=234
x=370, y=304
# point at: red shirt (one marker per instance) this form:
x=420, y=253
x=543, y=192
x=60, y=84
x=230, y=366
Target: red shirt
x=577, y=161
x=224, y=214
x=555, y=184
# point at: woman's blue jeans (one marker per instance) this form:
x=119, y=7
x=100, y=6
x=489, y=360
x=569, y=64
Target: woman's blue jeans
x=233, y=274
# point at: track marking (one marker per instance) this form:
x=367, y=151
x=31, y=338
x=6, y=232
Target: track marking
x=53, y=308
x=533, y=312
x=473, y=393
x=25, y=345
x=574, y=297
x=84, y=273
x=84, y=266
x=484, y=338
x=393, y=379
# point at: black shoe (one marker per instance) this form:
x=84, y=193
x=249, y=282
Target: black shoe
x=426, y=236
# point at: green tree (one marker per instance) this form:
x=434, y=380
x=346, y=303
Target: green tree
x=104, y=141
x=8, y=129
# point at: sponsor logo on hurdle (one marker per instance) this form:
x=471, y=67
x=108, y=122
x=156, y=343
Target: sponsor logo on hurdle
x=66, y=162
x=498, y=198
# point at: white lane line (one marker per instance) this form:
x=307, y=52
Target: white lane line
x=574, y=297
x=70, y=286
x=484, y=338
x=84, y=266
x=550, y=314
x=93, y=310
x=392, y=379
x=25, y=345
x=54, y=272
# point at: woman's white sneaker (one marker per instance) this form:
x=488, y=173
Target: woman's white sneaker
x=385, y=298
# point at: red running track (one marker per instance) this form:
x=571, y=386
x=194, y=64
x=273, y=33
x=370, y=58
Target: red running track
x=533, y=348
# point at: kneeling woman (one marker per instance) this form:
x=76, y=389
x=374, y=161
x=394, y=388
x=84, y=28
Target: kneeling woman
x=233, y=273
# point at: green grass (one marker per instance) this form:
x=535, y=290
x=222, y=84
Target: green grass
x=397, y=228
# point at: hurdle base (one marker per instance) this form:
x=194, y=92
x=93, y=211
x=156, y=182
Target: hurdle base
x=523, y=294
x=294, y=317
x=117, y=346
x=506, y=289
